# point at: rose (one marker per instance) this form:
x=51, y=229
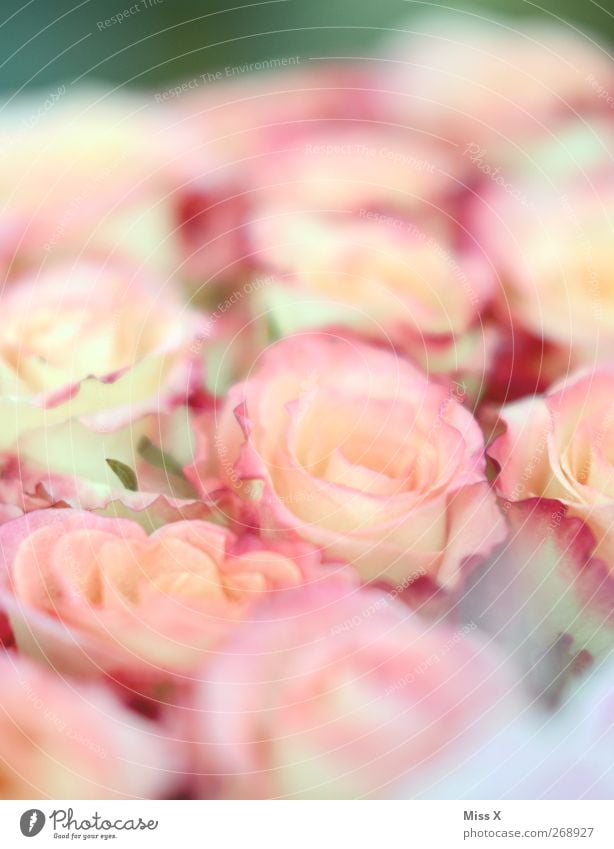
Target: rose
x=60, y=741
x=354, y=450
x=558, y=273
x=491, y=82
x=383, y=275
x=244, y=128
x=91, y=341
x=97, y=173
x=333, y=170
x=381, y=270
x=295, y=142
x=552, y=250
x=558, y=447
x=86, y=593
x=335, y=217
x=354, y=166
x=263, y=113
x=330, y=694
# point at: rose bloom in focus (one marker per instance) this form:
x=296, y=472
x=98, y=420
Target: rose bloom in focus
x=354, y=450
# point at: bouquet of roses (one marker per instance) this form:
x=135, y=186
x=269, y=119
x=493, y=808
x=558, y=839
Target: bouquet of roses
x=307, y=429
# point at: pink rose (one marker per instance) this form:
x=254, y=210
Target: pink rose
x=355, y=166
x=94, y=342
x=88, y=594
x=259, y=114
x=245, y=129
x=307, y=139
x=150, y=452
x=96, y=174
x=558, y=447
x=492, y=82
x=383, y=275
x=354, y=450
x=330, y=694
x=60, y=741
x=545, y=227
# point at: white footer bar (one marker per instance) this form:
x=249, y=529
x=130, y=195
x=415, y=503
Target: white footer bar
x=312, y=825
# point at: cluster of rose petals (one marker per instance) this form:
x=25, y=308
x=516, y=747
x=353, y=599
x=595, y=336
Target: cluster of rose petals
x=306, y=479
x=91, y=341
x=358, y=453
x=90, y=595
x=559, y=446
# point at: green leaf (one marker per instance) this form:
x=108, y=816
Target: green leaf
x=124, y=473
x=155, y=456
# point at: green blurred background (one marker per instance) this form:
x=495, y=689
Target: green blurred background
x=49, y=42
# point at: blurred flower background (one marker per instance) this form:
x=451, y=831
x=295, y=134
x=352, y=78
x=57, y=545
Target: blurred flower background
x=306, y=418
x=46, y=44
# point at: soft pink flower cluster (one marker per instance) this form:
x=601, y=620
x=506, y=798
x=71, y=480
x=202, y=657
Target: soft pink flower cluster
x=307, y=430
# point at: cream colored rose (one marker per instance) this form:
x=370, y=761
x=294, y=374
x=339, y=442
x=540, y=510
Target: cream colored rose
x=388, y=277
x=554, y=260
x=356, y=451
x=90, y=173
x=87, y=594
x=495, y=82
x=560, y=446
x=375, y=271
x=60, y=740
